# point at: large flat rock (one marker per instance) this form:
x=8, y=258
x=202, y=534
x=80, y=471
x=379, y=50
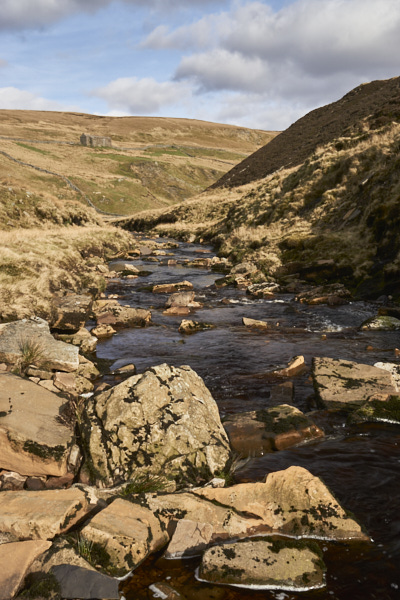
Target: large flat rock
x=42, y=515
x=286, y=565
x=16, y=336
x=343, y=384
x=15, y=560
x=32, y=439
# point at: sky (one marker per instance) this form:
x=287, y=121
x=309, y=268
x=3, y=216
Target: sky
x=260, y=64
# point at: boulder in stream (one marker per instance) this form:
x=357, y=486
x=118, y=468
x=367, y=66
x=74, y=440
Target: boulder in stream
x=162, y=422
x=257, y=432
x=171, y=288
x=381, y=323
x=265, y=564
x=343, y=384
x=72, y=311
x=111, y=312
x=188, y=326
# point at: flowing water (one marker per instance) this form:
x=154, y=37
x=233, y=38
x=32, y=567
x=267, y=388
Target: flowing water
x=361, y=465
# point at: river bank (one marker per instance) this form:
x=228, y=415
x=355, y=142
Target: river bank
x=243, y=367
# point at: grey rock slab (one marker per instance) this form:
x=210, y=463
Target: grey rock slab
x=32, y=439
x=343, y=384
x=163, y=422
x=264, y=564
x=79, y=583
x=52, y=353
x=15, y=560
x=43, y=514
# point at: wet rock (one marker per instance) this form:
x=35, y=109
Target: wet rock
x=32, y=337
x=263, y=290
x=331, y=294
x=163, y=422
x=254, y=323
x=110, y=312
x=121, y=266
x=10, y=480
x=296, y=366
x=291, y=502
x=15, y=560
x=177, y=311
x=32, y=439
x=77, y=582
x=394, y=370
x=42, y=515
x=170, y=288
x=72, y=311
x=381, y=323
x=284, y=564
x=103, y=331
x=164, y=591
x=342, y=384
x=277, y=428
x=85, y=339
x=127, y=533
x=376, y=411
x=182, y=299
x=188, y=326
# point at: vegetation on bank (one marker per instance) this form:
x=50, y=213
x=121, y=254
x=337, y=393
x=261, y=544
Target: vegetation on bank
x=340, y=206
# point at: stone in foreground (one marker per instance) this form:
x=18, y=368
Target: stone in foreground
x=342, y=384
x=42, y=515
x=32, y=439
x=18, y=337
x=292, y=502
x=127, y=533
x=15, y=560
x=162, y=422
x=77, y=582
x=277, y=428
x=286, y=565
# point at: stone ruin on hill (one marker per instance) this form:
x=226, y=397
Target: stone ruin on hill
x=95, y=141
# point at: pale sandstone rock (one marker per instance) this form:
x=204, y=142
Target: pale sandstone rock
x=42, y=515
x=11, y=481
x=255, y=323
x=121, y=266
x=189, y=539
x=261, y=563
x=82, y=338
x=180, y=299
x=65, y=382
x=128, y=532
x=343, y=384
x=111, y=312
x=163, y=422
x=103, y=331
x=15, y=560
x=179, y=311
x=292, y=502
x=188, y=326
x=170, y=288
x=296, y=366
x=54, y=354
x=32, y=440
x=48, y=384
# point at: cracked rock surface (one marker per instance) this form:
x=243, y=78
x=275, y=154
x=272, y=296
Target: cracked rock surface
x=162, y=422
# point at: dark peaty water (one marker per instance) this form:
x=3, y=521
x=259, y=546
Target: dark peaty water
x=360, y=465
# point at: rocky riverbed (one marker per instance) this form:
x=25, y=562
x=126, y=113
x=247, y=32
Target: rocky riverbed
x=201, y=434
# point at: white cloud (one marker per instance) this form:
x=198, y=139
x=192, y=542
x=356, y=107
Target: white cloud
x=15, y=99
x=130, y=95
x=25, y=14
x=223, y=70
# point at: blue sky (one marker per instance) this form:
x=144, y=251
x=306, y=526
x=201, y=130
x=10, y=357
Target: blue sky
x=261, y=63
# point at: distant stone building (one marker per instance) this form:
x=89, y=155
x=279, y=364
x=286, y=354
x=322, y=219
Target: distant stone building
x=95, y=141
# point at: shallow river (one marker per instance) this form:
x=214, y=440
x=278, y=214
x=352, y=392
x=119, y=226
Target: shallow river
x=360, y=465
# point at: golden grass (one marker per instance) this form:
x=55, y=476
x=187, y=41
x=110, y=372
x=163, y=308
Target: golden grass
x=36, y=263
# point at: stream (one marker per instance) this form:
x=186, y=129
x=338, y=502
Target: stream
x=361, y=465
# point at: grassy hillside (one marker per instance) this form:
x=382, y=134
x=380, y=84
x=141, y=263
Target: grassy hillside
x=334, y=217
x=153, y=163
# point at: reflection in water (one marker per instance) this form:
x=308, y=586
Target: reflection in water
x=361, y=466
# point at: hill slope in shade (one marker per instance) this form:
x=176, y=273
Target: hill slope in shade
x=378, y=103
x=333, y=217
x=154, y=162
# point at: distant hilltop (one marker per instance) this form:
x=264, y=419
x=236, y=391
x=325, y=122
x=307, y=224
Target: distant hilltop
x=95, y=141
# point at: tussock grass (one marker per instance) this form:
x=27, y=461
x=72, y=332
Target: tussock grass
x=342, y=203
x=37, y=263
